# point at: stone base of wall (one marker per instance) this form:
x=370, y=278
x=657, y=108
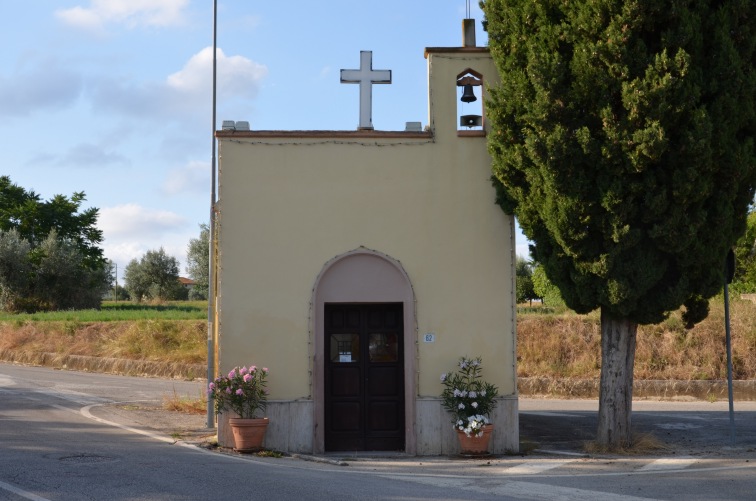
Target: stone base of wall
x=436, y=435
x=291, y=427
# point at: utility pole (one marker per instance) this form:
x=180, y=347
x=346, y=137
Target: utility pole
x=211, y=236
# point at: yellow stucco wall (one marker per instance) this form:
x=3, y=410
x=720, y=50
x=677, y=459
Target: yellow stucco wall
x=289, y=203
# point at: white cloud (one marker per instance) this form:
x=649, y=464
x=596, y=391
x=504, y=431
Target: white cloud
x=194, y=177
x=84, y=155
x=38, y=85
x=130, y=230
x=523, y=250
x=238, y=77
x=91, y=155
x=131, y=13
x=132, y=221
x=123, y=253
x=187, y=92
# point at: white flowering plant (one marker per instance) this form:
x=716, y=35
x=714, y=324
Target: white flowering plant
x=242, y=391
x=467, y=397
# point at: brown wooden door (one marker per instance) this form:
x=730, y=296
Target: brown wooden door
x=364, y=377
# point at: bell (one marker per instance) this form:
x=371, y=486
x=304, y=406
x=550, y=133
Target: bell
x=468, y=96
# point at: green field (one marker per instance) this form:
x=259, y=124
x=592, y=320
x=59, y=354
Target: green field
x=112, y=311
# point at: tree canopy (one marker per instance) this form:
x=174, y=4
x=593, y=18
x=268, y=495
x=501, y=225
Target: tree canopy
x=745, y=259
x=34, y=219
x=623, y=139
x=544, y=289
x=622, y=136
x=50, y=257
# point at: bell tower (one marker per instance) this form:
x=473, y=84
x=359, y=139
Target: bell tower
x=457, y=80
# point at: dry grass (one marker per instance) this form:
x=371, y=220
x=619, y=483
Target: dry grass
x=642, y=444
x=569, y=346
x=169, y=341
x=558, y=345
x=554, y=346
x=185, y=405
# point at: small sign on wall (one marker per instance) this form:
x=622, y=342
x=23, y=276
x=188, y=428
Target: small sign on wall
x=429, y=337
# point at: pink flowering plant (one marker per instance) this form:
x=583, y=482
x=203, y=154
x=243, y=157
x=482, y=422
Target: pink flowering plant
x=242, y=391
x=467, y=397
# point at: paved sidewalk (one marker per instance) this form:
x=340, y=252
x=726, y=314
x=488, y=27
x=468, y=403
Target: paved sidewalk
x=694, y=462
x=549, y=429
x=682, y=427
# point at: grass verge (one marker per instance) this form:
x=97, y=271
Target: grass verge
x=157, y=340
x=120, y=311
x=568, y=346
x=185, y=404
x=643, y=444
x=561, y=347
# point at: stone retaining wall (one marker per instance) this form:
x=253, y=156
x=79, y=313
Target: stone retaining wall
x=643, y=388
x=529, y=386
x=108, y=365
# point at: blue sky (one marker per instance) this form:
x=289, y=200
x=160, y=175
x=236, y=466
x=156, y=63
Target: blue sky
x=113, y=97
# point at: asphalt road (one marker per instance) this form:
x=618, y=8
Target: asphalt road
x=691, y=427
x=69, y=435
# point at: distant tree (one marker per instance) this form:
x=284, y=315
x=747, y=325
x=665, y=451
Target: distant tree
x=745, y=258
x=524, y=281
x=117, y=292
x=49, y=277
x=544, y=289
x=63, y=281
x=136, y=281
x=197, y=257
x=15, y=271
x=34, y=219
x=154, y=277
x=622, y=136
x=51, y=258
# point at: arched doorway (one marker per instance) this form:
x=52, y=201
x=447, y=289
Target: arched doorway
x=357, y=299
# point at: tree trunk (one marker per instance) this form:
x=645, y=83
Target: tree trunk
x=616, y=390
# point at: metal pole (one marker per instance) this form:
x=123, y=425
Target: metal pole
x=729, y=363
x=211, y=236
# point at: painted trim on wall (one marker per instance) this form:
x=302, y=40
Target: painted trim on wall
x=326, y=134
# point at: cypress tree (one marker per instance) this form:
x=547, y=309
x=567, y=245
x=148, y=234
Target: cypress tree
x=623, y=140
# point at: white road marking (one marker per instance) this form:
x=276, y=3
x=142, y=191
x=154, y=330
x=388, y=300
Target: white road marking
x=85, y=411
x=20, y=492
x=677, y=463
x=533, y=467
x=678, y=426
x=520, y=490
x=6, y=381
x=550, y=414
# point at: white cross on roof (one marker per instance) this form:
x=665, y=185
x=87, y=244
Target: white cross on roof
x=366, y=76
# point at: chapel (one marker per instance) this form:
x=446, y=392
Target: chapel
x=360, y=265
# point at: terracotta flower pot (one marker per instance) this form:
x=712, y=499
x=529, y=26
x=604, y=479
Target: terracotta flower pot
x=475, y=446
x=248, y=433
